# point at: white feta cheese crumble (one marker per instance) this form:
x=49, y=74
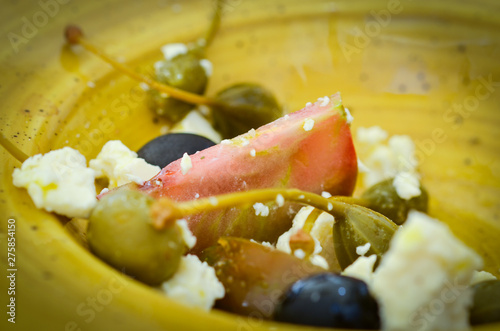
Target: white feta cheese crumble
x=194, y=284
x=324, y=101
x=207, y=67
x=261, y=209
x=186, y=163
x=264, y=243
x=407, y=185
x=362, y=268
x=226, y=142
x=280, y=200
x=120, y=165
x=326, y=194
x=481, y=276
x=363, y=249
x=382, y=159
x=187, y=235
x=286, y=117
x=321, y=233
x=309, y=104
x=252, y=152
x=59, y=182
x=172, y=50
x=299, y=253
x=196, y=123
x=348, y=116
x=329, y=206
x=422, y=280
x=308, y=124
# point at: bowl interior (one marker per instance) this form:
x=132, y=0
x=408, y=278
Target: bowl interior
x=426, y=69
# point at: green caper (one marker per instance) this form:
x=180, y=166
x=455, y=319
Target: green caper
x=185, y=72
x=120, y=232
x=357, y=227
x=486, y=303
x=383, y=198
x=244, y=106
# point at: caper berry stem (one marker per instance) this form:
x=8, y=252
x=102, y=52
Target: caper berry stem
x=74, y=35
x=12, y=149
x=214, y=24
x=165, y=210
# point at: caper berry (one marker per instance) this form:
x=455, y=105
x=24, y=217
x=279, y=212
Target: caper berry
x=486, y=306
x=383, y=198
x=120, y=232
x=185, y=72
x=243, y=107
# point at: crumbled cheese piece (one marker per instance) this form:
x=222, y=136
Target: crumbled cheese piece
x=321, y=233
x=326, y=194
x=381, y=159
x=362, y=268
x=58, y=181
x=348, y=116
x=187, y=235
x=264, y=243
x=196, y=123
x=280, y=200
x=261, y=209
x=309, y=104
x=197, y=195
x=363, y=249
x=407, y=185
x=362, y=167
x=286, y=117
x=120, y=165
x=330, y=206
x=252, y=133
x=422, y=280
x=324, y=101
x=302, y=196
x=90, y=84
x=172, y=50
x=136, y=179
x=186, y=163
x=252, y=152
x=319, y=261
x=207, y=67
x=299, y=253
x=372, y=135
x=194, y=284
x=244, y=141
x=308, y=124
x=481, y=276
x=213, y=201
x=226, y=142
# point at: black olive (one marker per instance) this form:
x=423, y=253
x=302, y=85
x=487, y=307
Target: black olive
x=165, y=149
x=486, y=306
x=329, y=300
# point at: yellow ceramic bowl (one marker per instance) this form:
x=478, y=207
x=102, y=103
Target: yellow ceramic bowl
x=424, y=68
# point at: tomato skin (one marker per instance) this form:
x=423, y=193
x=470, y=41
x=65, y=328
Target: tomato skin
x=280, y=154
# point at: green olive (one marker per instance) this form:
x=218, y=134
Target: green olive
x=184, y=72
x=120, y=232
x=384, y=199
x=245, y=106
x=357, y=227
x=486, y=303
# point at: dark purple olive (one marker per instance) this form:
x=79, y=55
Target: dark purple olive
x=329, y=300
x=165, y=149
